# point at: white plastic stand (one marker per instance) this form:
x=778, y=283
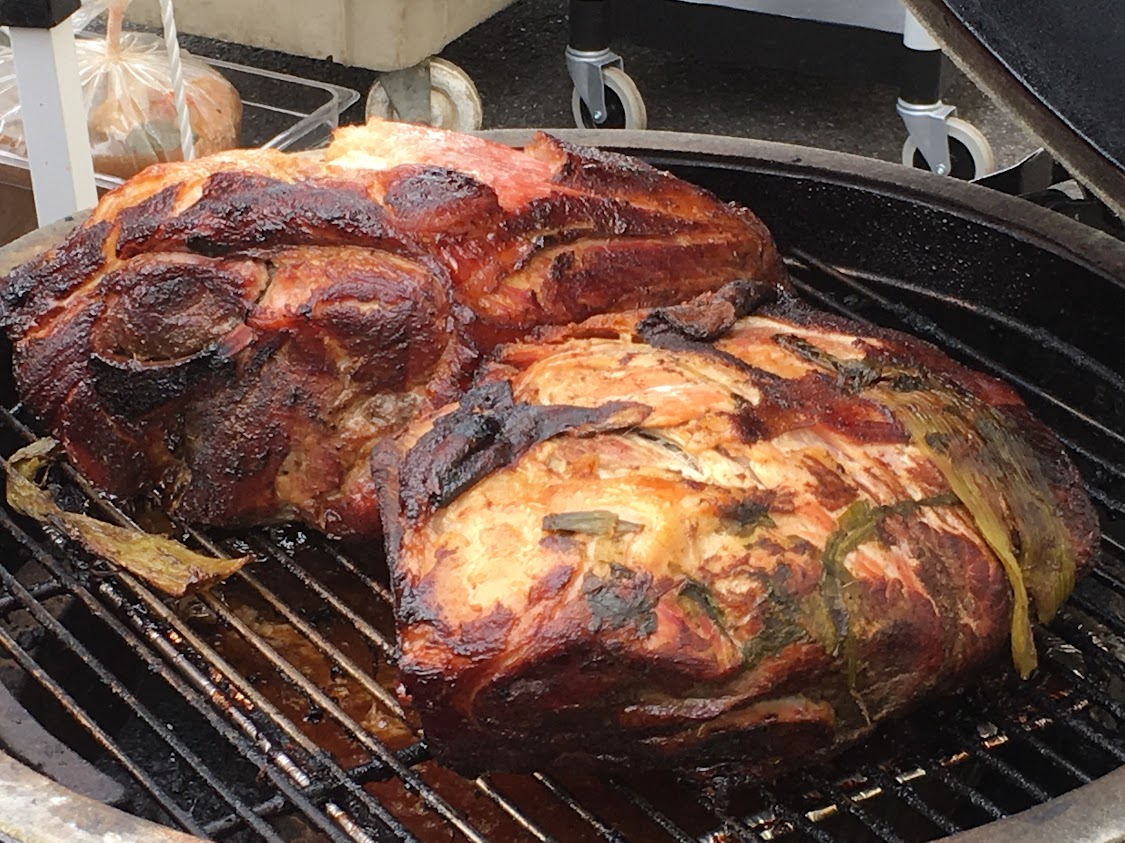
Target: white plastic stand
x=58, y=142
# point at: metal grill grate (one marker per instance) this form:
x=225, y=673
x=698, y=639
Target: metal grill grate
x=266, y=707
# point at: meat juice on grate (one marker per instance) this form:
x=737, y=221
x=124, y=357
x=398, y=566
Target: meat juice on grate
x=398, y=732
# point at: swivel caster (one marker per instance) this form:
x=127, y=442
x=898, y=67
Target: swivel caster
x=970, y=153
x=454, y=102
x=624, y=107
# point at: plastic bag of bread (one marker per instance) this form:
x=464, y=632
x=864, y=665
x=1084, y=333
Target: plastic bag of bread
x=127, y=94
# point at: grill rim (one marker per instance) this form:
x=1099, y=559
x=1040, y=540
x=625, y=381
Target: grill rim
x=1085, y=814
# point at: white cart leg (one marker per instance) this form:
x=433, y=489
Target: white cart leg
x=58, y=141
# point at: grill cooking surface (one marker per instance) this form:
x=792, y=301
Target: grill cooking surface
x=266, y=708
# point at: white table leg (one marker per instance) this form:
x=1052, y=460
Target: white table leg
x=58, y=141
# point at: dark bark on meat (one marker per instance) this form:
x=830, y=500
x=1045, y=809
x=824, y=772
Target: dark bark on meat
x=235, y=335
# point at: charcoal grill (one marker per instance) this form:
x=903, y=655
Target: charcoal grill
x=265, y=708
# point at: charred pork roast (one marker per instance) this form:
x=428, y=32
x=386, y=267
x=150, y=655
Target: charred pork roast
x=235, y=333
x=733, y=530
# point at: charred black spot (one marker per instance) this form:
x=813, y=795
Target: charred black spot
x=488, y=431
x=588, y=168
x=750, y=425
x=132, y=387
x=205, y=246
x=746, y=515
x=622, y=599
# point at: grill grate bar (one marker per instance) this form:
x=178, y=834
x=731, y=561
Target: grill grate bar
x=922, y=325
x=40, y=592
x=217, y=663
x=365, y=629
x=362, y=737
x=204, y=685
x=1101, y=466
x=373, y=635
x=581, y=810
x=1072, y=721
x=364, y=773
x=60, y=632
x=1118, y=547
x=959, y=787
x=844, y=802
x=780, y=811
x=1095, y=610
x=1112, y=504
x=271, y=807
x=306, y=629
x=649, y=810
x=257, y=701
x=1014, y=731
x=1109, y=579
x=199, y=701
x=377, y=690
x=972, y=745
x=733, y=828
x=902, y=790
x=381, y=590
x=510, y=808
x=1089, y=649
x=24, y=660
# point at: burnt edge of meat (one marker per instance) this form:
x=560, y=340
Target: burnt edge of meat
x=240, y=212
x=32, y=289
x=707, y=317
x=487, y=431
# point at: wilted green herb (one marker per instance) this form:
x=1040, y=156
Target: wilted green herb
x=594, y=522
x=992, y=471
x=702, y=596
x=775, y=635
x=160, y=561
x=994, y=467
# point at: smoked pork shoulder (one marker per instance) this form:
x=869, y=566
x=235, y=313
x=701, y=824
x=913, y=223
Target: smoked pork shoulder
x=736, y=530
x=233, y=335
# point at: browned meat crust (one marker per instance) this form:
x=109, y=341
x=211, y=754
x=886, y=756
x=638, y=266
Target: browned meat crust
x=235, y=333
x=720, y=532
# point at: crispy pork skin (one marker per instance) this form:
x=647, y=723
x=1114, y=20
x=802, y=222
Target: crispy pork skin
x=235, y=333
x=736, y=530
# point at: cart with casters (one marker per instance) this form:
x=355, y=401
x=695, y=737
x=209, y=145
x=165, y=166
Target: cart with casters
x=398, y=38
x=605, y=96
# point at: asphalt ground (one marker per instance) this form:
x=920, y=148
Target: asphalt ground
x=516, y=59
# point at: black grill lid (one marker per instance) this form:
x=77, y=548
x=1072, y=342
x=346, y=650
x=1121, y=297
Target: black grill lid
x=1058, y=65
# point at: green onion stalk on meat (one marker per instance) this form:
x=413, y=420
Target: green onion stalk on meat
x=992, y=471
